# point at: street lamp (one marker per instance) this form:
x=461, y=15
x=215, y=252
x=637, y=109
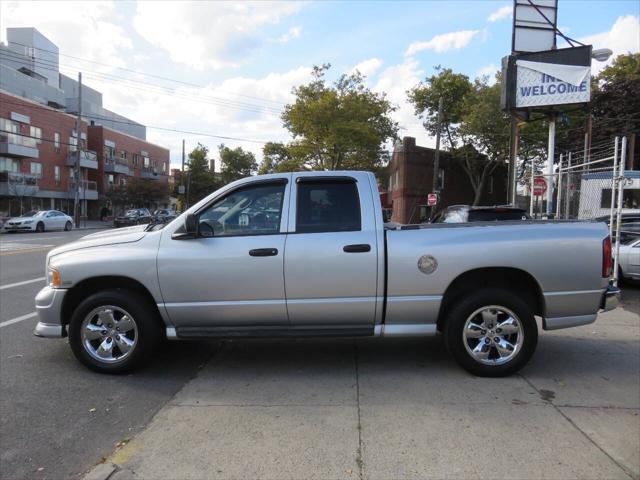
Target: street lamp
x=601, y=54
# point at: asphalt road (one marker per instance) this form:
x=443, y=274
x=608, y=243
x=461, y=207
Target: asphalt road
x=48, y=428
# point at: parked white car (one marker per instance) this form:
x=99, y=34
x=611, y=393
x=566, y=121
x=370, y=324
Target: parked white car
x=39, y=221
x=629, y=260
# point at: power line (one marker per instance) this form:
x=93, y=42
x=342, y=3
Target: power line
x=143, y=73
x=159, y=89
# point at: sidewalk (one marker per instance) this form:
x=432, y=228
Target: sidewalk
x=317, y=409
x=93, y=225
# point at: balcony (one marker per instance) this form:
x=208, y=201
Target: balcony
x=116, y=165
x=18, y=184
x=15, y=145
x=88, y=190
x=150, y=172
x=88, y=159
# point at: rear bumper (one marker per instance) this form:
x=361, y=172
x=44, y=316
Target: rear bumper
x=610, y=299
x=49, y=308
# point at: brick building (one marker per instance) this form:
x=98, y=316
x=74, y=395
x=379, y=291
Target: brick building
x=411, y=179
x=37, y=158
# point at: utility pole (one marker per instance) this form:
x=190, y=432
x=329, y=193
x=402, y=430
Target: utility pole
x=550, y=156
x=436, y=157
x=513, y=159
x=76, y=211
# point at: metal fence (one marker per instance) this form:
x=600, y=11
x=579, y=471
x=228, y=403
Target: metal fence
x=589, y=184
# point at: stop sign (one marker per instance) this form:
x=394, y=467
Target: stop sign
x=539, y=186
x=432, y=199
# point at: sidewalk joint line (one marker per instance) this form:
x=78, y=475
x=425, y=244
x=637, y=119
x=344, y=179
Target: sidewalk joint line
x=584, y=434
x=359, y=459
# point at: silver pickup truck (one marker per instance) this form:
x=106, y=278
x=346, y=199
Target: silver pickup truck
x=307, y=254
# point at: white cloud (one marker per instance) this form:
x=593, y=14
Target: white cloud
x=489, y=71
x=624, y=37
x=294, y=32
x=82, y=29
x=395, y=81
x=501, y=13
x=257, y=105
x=444, y=42
x=368, y=67
x=208, y=34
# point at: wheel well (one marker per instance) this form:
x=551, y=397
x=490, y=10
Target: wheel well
x=89, y=286
x=519, y=281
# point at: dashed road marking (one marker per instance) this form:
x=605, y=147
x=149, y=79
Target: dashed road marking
x=25, y=282
x=17, y=319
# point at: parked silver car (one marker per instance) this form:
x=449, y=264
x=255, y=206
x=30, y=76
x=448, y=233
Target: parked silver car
x=629, y=260
x=306, y=254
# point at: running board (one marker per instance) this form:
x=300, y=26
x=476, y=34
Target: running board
x=406, y=330
x=268, y=331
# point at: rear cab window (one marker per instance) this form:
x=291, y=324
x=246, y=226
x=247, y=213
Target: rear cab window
x=327, y=205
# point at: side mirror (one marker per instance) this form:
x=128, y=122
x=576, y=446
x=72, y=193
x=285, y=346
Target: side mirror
x=191, y=224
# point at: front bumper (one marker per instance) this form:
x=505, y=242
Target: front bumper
x=18, y=228
x=49, y=308
x=610, y=298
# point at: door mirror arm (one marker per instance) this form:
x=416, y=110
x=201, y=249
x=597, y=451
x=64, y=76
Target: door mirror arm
x=189, y=229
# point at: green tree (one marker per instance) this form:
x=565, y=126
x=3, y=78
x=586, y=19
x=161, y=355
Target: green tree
x=145, y=192
x=200, y=179
x=277, y=157
x=236, y=163
x=339, y=126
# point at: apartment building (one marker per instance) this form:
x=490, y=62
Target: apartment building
x=38, y=146
x=38, y=141
x=122, y=157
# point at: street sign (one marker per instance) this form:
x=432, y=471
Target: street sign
x=539, y=186
x=432, y=199
x=181, y=189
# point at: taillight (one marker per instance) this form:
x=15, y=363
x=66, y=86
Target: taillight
x=607, y=260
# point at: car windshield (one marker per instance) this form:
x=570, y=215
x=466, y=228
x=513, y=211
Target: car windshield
x=31, y=213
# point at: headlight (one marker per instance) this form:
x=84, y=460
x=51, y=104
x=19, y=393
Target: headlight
x=27, y=222
x=53, y=277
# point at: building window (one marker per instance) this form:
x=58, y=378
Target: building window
x=490, y=184
x=164, y=167
x=135, y=158
x=9, y=165
x=36, y=169
x=110, y=179
x=36, y=134
x=396, y=180
x=56, y=173
x=109, y=153
x=441, y=179
x=147, y=162
x=73, y=142
x=56, y=141
x=123, y=181
x=71, y=175
x=123, y=154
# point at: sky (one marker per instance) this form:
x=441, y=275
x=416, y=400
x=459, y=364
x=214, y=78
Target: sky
x=226, y=69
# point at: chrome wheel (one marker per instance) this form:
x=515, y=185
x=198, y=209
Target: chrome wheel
x=493, y=335
x=109, y=334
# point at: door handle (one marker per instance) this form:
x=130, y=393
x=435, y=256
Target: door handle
x=263, y=252
x=357, y=248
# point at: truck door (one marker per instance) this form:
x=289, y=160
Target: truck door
x=331, y=254
x=231, y=274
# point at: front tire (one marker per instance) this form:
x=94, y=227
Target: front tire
x=40, y=227
x=67, y=226
x=491, y=333
x=114, y=331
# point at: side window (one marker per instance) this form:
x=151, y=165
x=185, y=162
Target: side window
x=327, y=206
x=253, y=210
x=454, y=216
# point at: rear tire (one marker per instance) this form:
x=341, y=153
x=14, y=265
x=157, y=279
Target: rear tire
x=40, y=227
x=491, y=332
x=67, y=226
x=114, y=331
